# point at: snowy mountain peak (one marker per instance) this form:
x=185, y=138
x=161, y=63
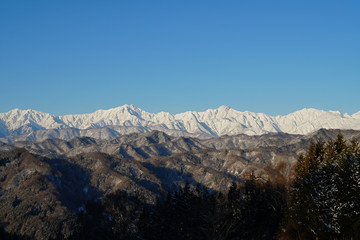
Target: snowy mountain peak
x=307, y=111
x=356, y=115
x=17, y=118
x=224, y=108
x=212, y=122
x=335, y=112
x=123, y=108
x=128, y=107
x=19, y=112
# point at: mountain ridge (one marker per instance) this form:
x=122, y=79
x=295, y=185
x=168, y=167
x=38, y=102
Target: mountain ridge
x=48, y=183
x=17, y=125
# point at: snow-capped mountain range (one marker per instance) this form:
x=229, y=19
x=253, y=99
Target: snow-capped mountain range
x=34, y=125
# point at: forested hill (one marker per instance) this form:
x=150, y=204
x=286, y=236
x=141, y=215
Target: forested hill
x=44, y=186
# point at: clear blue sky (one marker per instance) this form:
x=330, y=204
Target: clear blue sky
x=275, y=57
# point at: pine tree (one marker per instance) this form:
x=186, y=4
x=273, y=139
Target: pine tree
x=324, y=198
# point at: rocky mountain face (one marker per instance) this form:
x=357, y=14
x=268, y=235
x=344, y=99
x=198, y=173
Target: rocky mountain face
x=30, y=125
x=43, y=185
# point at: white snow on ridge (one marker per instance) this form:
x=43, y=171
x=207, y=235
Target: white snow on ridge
x=17, y=118
x=309, y=119
x=356, y=115
x=215, y=122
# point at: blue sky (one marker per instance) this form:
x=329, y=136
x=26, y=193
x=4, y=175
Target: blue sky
x=275, y=57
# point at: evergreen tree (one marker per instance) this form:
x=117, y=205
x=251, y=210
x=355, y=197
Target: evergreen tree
x=325, y=193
